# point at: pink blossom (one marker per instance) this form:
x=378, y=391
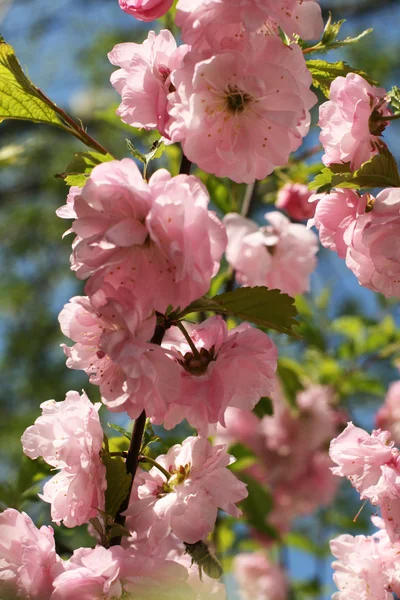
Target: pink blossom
x=98, y=573
x=143, y=81
x=279, y=255
x=28, y=557
x=157, y=239
x=293, y=199
x=146, y=10
x=233, y=368
x=68, y=435
x=360, y=568
x=259, y=578
x=213, y=23
x=374, y=245
x=290, y=449
x=315, y=486
x=360, y=457
x=111, y=336
x=335, y=217
x=352, y=121
x=290, y=440
x=186, y=503
x=235, y=119
x=388, y=416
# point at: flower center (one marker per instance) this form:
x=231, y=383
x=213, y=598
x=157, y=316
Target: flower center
x=197, y=365
x=236, y=99
x=179, y=475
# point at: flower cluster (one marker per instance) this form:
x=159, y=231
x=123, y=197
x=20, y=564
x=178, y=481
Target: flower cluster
x=365, y=231
x=366, y=566
x=372, y=465
x=290, y=450
x=232, y=118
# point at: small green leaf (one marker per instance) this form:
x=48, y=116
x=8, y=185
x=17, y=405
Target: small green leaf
x=80, y=167
x=257, y=506
x=290, y=376
x=394, y=99
x=155, y=151
x=118, y=483
x=323, y=73
x=329, y=39
x=259, y=305
x=121, y=430
x=19, y=98
x=380, y=171
x=264, y=408
x=135, y=152
x=149, y=437
x=117, y=530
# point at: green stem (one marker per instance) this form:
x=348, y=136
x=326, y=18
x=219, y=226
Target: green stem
x=189, y=340
x=73, y=128
x=153, y=462
x=388, y=118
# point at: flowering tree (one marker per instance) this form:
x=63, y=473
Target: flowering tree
x=181, y=286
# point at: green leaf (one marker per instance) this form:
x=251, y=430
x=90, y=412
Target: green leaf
x=149, y=437
x=19, y=98
x=155, y=151
x=323, y=73
x=118, y=483
x=380, y=171
x=79, y=169
x=290, y=375
x=329, y=39
x=121, y=430
x=259, y=305
x=264, y=408
x=257, y=506
x=394, y=99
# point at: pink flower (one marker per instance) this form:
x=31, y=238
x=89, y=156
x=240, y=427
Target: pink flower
x=98, y=573
x=388, y=416
x=186, y=503
x=146, y=10
x=335, y=218
x=28, y=557
x=259, y=578
x=291, y=450
x=360, y=568
x=279, y=255
x=68, y=435
x=352, y=121
x=112, y=347
x=233, y=368
x=293, y=198
x=238, y=115
x=213, y=23
x=143, y=81
x=157, y=239
x=360, y=457
x=315, y=486
x=374, y=245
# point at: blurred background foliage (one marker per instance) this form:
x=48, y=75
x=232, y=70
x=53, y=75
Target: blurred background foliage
x=350, y=336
